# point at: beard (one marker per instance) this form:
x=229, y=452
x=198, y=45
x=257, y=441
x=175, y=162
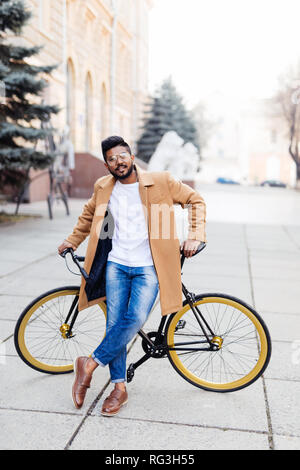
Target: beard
x=126, y=173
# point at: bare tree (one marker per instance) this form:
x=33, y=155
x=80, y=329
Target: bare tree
x=205, y=125
x=287, y=102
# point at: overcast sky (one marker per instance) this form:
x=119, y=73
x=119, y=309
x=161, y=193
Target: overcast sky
x=238, y=47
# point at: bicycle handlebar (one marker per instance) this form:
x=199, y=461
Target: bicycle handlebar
x=78, y=259
x=200, y=248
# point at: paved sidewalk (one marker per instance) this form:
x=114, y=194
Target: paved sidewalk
x=257, y=262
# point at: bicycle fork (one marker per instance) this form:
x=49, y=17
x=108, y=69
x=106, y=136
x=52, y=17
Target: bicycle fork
x=66, y=328
x=216, y=342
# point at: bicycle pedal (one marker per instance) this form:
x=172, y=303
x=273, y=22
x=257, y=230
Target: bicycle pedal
x=130, y=373
x=180, y=325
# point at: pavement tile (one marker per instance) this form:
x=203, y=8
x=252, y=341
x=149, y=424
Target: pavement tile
x=214, y=265
x=19, y=255
x=283, y=399
x=282, y=327
x=27, y=389
x=9, y=266
x=6, y=329
x=294, y=233
x=8, y=348
x=281, y=265
x=237, y=287
x=158, y=392
x=11, y=306
x=278, y=257
x=96, y=433
x=31, y=286
x=26, y=430
x=276, y=271
x=285, y=361
x=282, y=296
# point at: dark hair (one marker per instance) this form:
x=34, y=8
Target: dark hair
x=112, y=142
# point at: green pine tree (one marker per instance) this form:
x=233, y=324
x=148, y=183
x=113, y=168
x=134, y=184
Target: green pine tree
x=165, y=112
x=21, y=120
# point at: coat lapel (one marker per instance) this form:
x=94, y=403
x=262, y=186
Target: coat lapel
x=145, y=180
x=107, y=186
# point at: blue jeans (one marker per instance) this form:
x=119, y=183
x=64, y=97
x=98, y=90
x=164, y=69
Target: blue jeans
x=130, y=295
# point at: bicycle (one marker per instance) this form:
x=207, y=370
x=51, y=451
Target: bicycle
x=57, y=192
x=216, y=342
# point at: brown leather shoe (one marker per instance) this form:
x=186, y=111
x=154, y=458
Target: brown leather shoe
x=113, y=403
x=81, y=383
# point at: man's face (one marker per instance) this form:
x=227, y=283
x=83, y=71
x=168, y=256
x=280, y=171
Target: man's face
x=119, y=162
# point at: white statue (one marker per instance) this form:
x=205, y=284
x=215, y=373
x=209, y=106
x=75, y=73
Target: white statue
x=191, y=160
x=173, y=155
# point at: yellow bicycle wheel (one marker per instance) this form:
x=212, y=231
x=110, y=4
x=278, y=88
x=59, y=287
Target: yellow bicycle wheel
x=242, y=344
x=42, y=336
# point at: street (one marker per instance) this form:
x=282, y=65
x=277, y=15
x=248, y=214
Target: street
x=253, y=253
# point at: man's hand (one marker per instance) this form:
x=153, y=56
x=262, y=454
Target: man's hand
x=189, y=247
x=65, y=244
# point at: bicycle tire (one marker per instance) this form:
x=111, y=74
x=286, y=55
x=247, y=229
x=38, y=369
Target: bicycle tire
x=210, y=359
x=39, y=327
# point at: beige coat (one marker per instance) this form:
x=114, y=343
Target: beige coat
x=159, y=192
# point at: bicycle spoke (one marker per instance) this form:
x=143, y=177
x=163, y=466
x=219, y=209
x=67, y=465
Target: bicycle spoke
x=239, y=351
x=44, y=340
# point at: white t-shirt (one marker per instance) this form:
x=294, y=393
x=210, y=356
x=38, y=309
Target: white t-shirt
x=130, y=242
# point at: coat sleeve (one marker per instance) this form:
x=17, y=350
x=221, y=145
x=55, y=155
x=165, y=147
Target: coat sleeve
x=83, y=226
x=187, y=197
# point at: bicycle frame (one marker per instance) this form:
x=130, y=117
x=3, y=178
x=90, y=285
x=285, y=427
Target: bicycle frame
x=158, y=347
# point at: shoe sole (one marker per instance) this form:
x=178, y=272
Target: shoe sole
x=104, y=413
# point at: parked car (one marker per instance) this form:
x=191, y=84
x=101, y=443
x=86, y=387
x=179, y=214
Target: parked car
x=226, y=181
x=274, y=183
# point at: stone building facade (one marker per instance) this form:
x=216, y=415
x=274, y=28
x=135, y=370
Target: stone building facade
x=102, y=79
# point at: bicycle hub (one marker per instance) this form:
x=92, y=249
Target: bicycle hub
x=65, y=331
x=217, y=342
